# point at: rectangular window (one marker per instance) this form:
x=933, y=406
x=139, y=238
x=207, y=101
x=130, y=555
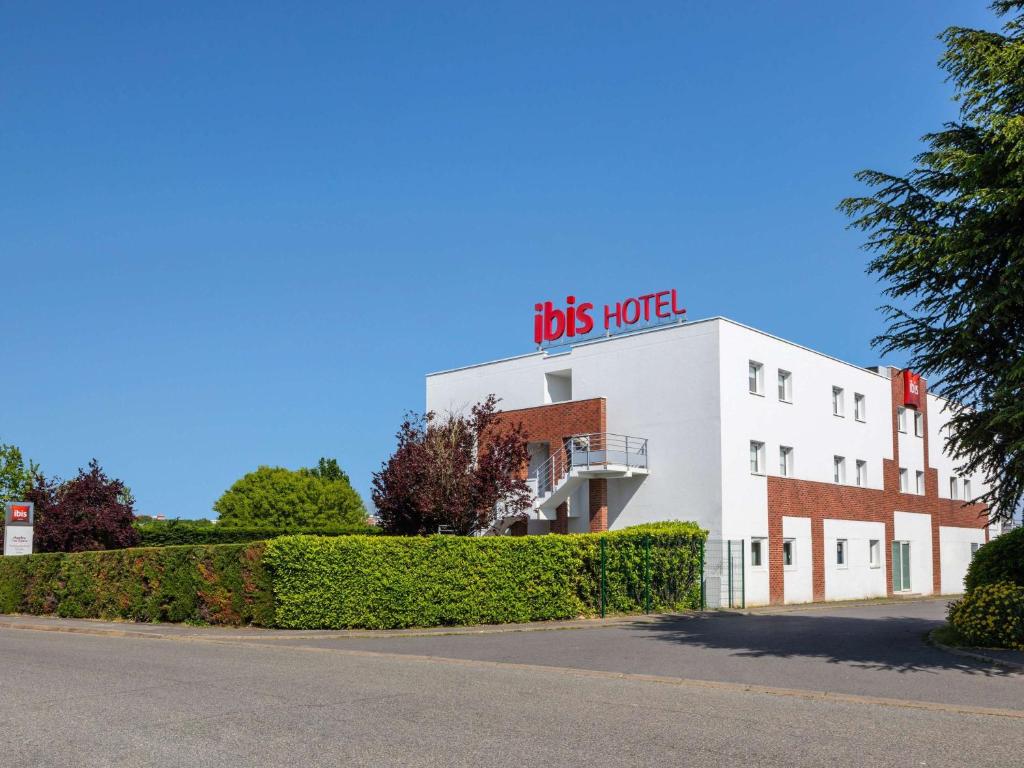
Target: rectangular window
x=967, y=491
x=756, y=458
x=785, y=461
x=839, y=469
x=785, y=386
x=789, y=553
x=901, y=419
x=952, y=488
x=837, y=401
x=904, y=480
x=862, y=472
x=919, y=482
x=975, y=546
x=875, y=553
x=757, y=553
x=918, y=423
x=755, y=378
x=840, y=553
x=860, y=408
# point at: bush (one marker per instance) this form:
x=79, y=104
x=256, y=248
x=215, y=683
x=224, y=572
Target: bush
x=392, y=582
x=991, y=615
x=214, y=584
x=177, y=532
x=1000, y=560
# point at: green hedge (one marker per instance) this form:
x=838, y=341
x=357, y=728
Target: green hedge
x=172, y=533
x=224, y=584
x=392, y=582
x=990, y=615
x=1000, y=560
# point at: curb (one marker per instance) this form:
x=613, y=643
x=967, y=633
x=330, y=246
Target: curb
x=1014, y=666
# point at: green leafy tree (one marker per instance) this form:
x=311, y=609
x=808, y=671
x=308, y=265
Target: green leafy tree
x=274, y=497
x=948, y=239
x=15, y=476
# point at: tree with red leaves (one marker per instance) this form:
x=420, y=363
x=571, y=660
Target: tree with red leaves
x=88, y=512
x=461, y=473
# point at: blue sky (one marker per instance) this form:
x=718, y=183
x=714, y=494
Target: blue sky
x=237, y=234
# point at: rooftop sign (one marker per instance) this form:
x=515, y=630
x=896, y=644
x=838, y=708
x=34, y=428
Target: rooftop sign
x=551, y=324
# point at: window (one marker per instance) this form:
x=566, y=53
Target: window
x=837, y=401
x=785, y=386
x=975, y=546
x=558, y=386
x=788, y=553
x=839, y=469
x=904, y=480
x=756, y=458
x=952, y=488
x=860, y=407
x=785, y=461
x=862, y=472
x=840, y=553
x=918, y=423
x=757, y=553
x=755, y=378
x=901, y=419
x=967, y=490
x=875, y=553
x=919, y=483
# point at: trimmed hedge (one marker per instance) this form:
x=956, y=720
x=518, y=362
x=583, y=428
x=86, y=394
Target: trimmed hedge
x=991, y=615
x=224, y=584
x=1000, y=560
x=392, y=582
x=173, y=534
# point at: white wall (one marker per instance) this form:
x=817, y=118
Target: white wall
x=938, y=433
x=798, y=579
x=917, y=529
x=955, y=555
x=857, y=579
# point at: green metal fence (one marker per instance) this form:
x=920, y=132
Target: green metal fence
x=723, y=569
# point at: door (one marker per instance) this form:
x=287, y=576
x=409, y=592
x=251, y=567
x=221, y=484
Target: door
x=901, y=566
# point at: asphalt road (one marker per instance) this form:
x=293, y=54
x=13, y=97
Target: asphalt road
x=615, y=696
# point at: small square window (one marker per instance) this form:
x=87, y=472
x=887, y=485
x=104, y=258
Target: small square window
x=860, y=407
x=901, y=419
x=918, y=423
x=839, y=469
x=953, y=492
x=904, y=480
x=756, y=457
x=837, y=401
x=789, y=553
x=757, y=547
x=785, y=461
x=862, y=472
x=875, y=553
x=919, y=482
x=785, y=386
x=755, y=378
x=841, y=551
x=975, y=546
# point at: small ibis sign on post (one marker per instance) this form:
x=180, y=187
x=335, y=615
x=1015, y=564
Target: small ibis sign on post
x=19, y=519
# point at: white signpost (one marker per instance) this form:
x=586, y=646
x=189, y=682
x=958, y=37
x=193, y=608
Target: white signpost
x=19, y=519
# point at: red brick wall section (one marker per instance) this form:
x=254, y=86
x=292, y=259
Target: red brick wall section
x=553, y=423
x=818, y=501
x=598, y=493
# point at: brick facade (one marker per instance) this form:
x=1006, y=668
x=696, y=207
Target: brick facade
x=788, y=497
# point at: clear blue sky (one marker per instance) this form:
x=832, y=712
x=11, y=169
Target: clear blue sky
x=240, y=234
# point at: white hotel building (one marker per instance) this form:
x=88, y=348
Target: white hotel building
x=827, y=481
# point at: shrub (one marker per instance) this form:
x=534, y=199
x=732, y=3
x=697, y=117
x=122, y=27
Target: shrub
x=178, y=532
x=991, y=615
x=1000, y=560
x=391, y=582
x=216, y=584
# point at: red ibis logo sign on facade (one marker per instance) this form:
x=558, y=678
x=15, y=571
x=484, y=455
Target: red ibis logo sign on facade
x=551, y=323
x=911, y=389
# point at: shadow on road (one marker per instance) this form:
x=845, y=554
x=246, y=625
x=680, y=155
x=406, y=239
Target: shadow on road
x=884, y=643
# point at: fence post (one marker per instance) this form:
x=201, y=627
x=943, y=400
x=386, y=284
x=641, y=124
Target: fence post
x=604, y=565
x=743, y=574
x=703, y=586
x=728, y=543
x=647, y=574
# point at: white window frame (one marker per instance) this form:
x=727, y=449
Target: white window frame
x=975, y=546
x=901, y=419
x=839, y=469
x=954, y=492
x=785, y=386
x=785, y=461
x=843, y=546
x=862, y=473
x=874, y=553
x=762, y=545
x=918, y=424
x=919, y=482
x=757, y=369
x=904, y=480
x=791, y=566
x=756, y=457
x=860, y=407
x=838, y=407
x=967, y=490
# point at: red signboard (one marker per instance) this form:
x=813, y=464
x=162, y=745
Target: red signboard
x=19, y=513
x=551, y=324
x=911, y=389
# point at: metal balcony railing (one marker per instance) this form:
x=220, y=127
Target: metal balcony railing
x=591, y=451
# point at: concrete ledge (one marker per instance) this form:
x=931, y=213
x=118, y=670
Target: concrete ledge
x=974, y=653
